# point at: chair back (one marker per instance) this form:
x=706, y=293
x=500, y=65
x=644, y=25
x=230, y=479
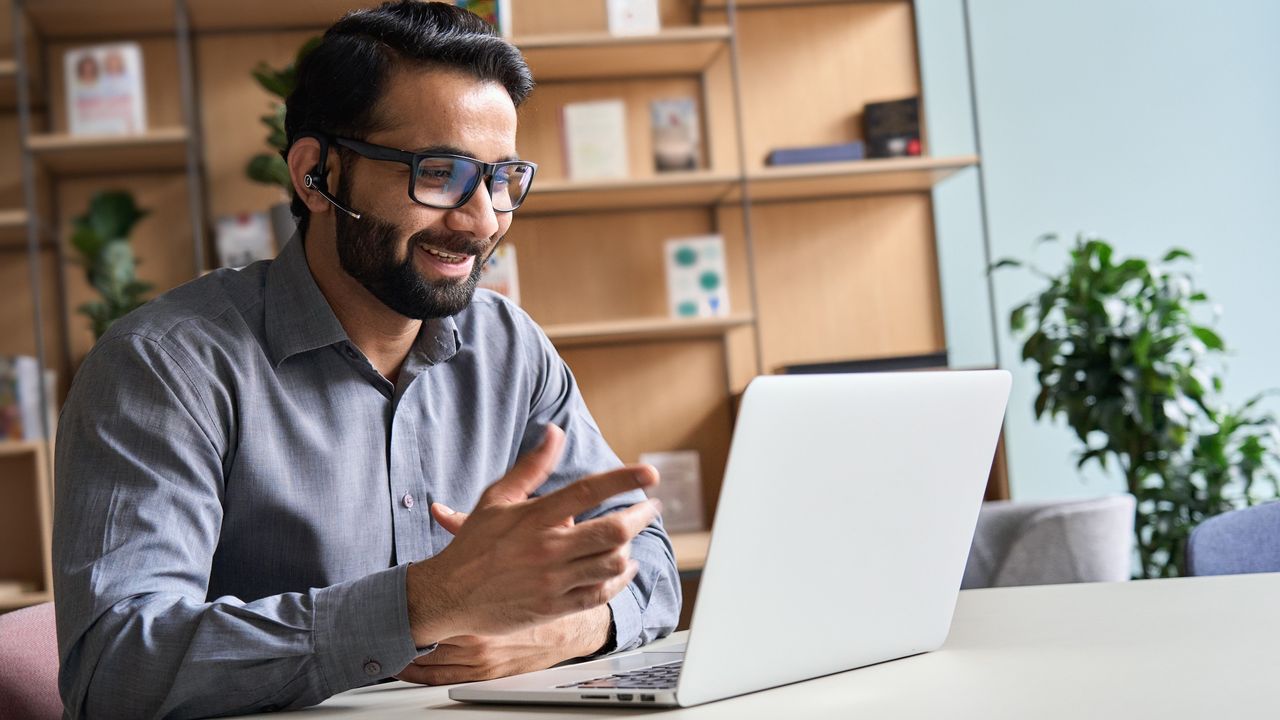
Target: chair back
x=1236, y=542
x=29, y=665
x=1049, y=543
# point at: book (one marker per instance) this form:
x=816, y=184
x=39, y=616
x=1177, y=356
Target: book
x=20, y=379
x=680, y=490
x=696, y=280
x=105, y=91
x=633, y=17
x=839, y=152
x=501, y=274
x=892, y=129
x=676, y=136
x=243, y=239
x=496, y=12
x=595, y=140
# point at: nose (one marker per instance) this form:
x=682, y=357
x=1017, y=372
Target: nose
x=477, y=217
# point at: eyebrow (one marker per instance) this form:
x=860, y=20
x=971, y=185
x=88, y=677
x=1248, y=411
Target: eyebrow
x=454, y=150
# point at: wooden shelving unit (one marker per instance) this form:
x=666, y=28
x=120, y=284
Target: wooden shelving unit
x=853, y=179
x=677, y=189
x=590, y=56
x=25, y=524
x=13, y=228
x=159, y=149
x=8, y=84
x=642, y=330
x=691, y=550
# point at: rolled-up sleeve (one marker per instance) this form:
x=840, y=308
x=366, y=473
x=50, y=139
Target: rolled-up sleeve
x=648, y=608
x=138, y=514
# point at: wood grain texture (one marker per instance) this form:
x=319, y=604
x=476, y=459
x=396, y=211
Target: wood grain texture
x=540, y=17
x=843, y=279
x=17, y=317
x=231, y=103
x=601, y=267
x=24, y=515
x=660, y=396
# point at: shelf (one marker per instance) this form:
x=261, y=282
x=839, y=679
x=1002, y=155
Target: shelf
x=859, y=177
x=223, y=15
x=762, y=4
x=19, y=600
x=9, y=448
x=646, y=329
x=675, y=51
x=8, y=84
x=160, y=149
x=13, y=233
x=691, y=549
x=56, y=19
x=688, y=189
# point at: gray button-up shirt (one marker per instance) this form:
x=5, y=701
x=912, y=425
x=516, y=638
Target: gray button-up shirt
x=239, y=492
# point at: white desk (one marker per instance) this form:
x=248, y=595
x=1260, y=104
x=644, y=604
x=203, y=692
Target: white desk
x=1187, y=648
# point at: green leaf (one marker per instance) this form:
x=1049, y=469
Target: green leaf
x=1018, y=318
x=270, y=170
x=1004, y=263
x=1176, y=253
x=1210, y=338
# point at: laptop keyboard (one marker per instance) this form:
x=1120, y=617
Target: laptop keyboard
x=655, y=677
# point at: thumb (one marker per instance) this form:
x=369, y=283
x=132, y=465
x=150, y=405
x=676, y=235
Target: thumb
x=530, y=471
x=448, y=518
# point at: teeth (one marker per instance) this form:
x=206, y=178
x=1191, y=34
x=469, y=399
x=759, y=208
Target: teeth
x=450, y=257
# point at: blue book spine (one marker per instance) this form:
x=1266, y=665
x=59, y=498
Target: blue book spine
x=819, y=153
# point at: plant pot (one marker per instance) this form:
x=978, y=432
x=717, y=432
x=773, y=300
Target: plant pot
x=283, y=224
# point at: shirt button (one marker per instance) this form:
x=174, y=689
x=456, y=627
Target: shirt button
x=407, y=500
x=372, y=668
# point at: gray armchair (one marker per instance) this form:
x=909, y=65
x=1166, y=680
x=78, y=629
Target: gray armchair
x=1048, y=543
x=1241, y=541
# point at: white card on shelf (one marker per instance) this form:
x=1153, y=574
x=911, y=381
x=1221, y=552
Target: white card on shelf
x=595, y=140
x=633, y=17
x=697, y=285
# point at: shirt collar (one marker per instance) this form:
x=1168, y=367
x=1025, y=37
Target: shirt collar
x=299, y=319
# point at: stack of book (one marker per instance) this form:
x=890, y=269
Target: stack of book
x=20, y=398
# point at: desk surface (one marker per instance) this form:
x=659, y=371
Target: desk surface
x=1186, y=648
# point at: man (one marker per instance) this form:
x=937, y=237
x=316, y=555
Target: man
x=245, y=465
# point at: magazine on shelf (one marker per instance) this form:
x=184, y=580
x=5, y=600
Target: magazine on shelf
x=496, y=12
x=105, y=90
x=20, y=379
x=696, y=282
x=243, y=239
x=501, y=273
x=633, y=17
x=595, y=140
x=676, y=138
x=680, y=490
x=839, y=152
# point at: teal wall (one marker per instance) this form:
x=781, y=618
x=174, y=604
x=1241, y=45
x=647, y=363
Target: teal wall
x=1152, y=123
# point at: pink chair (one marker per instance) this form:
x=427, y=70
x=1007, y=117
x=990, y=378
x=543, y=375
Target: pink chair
x=29, y=665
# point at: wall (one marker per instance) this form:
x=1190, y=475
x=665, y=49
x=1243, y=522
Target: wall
x=1150, y=123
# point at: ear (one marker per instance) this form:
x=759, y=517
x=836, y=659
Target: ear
x=303, y=158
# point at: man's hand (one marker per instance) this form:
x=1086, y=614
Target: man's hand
x=471, y=658
x=519, y=562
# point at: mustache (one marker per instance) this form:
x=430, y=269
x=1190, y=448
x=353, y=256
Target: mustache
x=456, y=243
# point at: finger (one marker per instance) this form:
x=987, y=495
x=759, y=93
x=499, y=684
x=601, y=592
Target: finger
x=578, y=497
x=597, y=569
x=530, y=471
x=448, y=518
x=608, y=532
x=585, y=598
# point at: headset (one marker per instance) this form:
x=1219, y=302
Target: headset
x=315, y=180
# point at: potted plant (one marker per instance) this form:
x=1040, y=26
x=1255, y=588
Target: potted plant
x=1123, y=356
x=270, y=168
x=101, y=238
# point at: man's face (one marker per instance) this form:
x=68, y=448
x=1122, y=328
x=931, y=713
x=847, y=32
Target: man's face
x=389, y=249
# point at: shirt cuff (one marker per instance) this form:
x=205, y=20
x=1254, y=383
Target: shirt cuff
x=626, y=621
x=362, y=629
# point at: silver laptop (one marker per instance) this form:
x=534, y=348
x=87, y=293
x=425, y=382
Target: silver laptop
x=843, y=527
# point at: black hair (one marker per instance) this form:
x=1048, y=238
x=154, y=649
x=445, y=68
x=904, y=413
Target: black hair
x=340, y=82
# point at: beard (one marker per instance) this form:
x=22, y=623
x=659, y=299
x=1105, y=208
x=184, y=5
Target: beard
x=367, y=251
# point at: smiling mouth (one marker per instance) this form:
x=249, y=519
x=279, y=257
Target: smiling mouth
x=446, y=256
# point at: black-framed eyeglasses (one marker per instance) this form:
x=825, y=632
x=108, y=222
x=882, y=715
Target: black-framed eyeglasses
x=446, y=182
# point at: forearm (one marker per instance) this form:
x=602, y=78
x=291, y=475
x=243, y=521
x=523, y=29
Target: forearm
x=166, y=655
